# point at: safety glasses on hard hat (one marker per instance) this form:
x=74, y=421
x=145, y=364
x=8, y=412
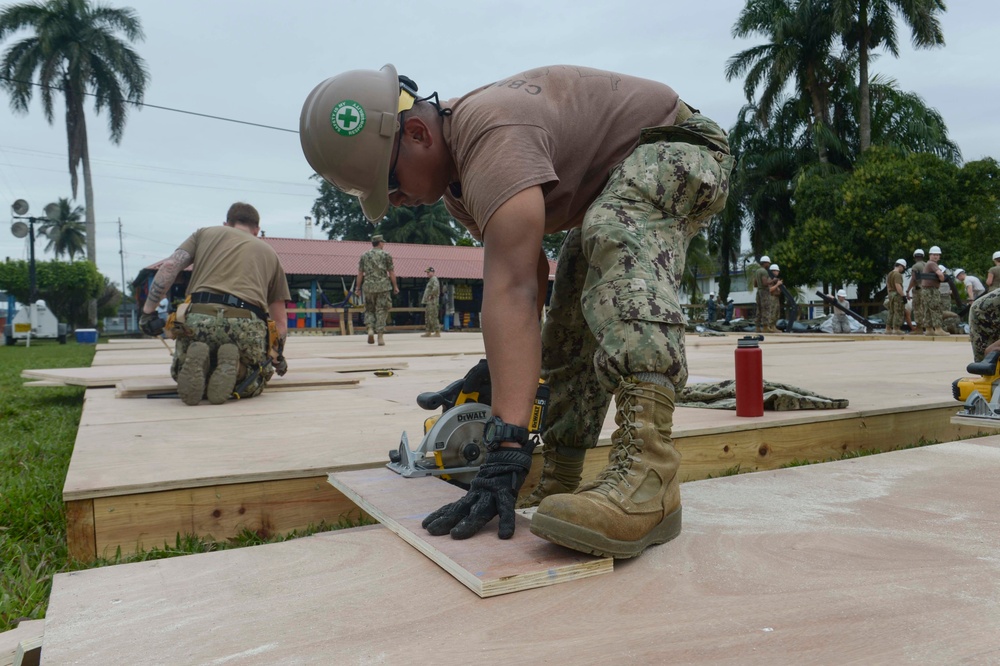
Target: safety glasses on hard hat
x=407, y=97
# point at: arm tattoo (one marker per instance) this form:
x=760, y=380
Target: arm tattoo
x=167, y=275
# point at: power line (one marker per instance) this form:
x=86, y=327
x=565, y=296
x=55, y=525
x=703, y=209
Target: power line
x=133, y=165
x=162, y=108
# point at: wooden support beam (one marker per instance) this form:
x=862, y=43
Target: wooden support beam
x=268, y=508
x=80, y=536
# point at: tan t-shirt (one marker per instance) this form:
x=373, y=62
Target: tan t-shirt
x=231, y=261
x=562, y=127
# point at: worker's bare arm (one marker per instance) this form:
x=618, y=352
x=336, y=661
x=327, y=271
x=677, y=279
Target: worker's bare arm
x=512, y=242
x=165, y=278
x=277, y=312
x=543, y=280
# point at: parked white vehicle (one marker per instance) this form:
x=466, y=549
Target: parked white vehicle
x=34, y=321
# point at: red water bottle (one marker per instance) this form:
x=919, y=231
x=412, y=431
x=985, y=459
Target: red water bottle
x=749, y=377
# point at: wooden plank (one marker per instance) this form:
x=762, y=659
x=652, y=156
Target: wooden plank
x=9, y=640
x=29, y=652
x=80, y=536
x=140, y=388
x=485, y=564
x=99, y=376
x=134, y=522
x=43, y=383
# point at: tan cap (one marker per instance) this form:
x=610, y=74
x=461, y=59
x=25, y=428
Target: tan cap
x=377, y=238
x=347, y=128
x=430, y=269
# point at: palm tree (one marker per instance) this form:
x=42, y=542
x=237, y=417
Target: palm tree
x=76, y=51
x=799, y=49
x=65, y=232
x=869, y=24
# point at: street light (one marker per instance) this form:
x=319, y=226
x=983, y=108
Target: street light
x=20, y=230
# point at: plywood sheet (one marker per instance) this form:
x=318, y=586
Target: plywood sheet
x=485, y=564
x=99, y=376
x=885, y=559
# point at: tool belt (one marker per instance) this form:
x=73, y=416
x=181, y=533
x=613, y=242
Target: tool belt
x=700, y=133
x=231, y=302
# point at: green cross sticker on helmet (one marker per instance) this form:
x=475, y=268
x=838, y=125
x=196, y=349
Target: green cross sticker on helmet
x=347, y=118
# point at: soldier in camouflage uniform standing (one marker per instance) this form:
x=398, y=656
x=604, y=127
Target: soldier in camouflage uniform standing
x=237, y=283
x=993, y=277
x=432, y=294
x=897, y=298
x=376, y=277
x=930, y=288
x=914, y=291
x=633, y=174
x=762, y=283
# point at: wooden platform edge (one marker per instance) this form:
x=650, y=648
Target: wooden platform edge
x=29, y=652
x=27, y=632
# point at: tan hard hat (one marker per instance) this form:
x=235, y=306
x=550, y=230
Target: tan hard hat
x=347, y=128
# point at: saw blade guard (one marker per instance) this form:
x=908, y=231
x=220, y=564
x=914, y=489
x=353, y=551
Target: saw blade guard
x=453, y=446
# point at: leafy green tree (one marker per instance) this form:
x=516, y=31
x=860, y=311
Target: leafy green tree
x=67, y=235
x=76, y=50
x=339, y=214
x=852, y=227
x=426, y=225
x=66, y=287
x=869, y=24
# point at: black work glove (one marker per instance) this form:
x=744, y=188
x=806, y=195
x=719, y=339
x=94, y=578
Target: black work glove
x=493, y=492
x=281, y=366
x=151, y=324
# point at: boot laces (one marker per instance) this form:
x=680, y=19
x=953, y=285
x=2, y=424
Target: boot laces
x=627, y=445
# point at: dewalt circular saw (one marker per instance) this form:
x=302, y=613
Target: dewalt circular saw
x=452, y=447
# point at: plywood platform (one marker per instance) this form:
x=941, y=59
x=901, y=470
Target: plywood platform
x=885, y=559
x=143, y=471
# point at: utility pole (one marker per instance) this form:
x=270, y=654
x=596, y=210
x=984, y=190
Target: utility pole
x=309, y=228
x=121, y=253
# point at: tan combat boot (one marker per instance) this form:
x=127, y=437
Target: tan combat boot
x=562, y=469
x=425, y=334
x=940, y=331
x=635, y=501
x=381, y=340
x=192, y=375
x=223, y=380
x=371, y=336
x=436, y=334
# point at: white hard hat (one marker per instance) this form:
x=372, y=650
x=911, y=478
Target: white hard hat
x=918, y=251
x=959, y=270
x=765, y=259
x=841, y=293
x=996, y=255
x=935, y=250
x=712, y=294
x=901, y=262
x=775, y=267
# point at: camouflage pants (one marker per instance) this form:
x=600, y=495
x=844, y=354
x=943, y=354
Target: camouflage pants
x=767, y=309
x=840, y=323
x=431, y=321
x=614, y=309
x=377, y=304
x=984, y=323
x=897, y=304
x=931, y=305
x=249, y=336
x=916, y=306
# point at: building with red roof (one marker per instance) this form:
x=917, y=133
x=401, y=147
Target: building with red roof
x=326, y=271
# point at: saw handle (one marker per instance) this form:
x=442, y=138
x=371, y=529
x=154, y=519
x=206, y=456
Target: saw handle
x=444, y=398
x=986, y=367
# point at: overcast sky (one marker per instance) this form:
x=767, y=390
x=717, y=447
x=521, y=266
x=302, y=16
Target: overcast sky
x=256, y=61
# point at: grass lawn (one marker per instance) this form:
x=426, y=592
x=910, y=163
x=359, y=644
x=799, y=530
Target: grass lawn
x=37, y=430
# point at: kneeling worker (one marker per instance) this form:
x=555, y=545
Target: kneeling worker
x=222, y=332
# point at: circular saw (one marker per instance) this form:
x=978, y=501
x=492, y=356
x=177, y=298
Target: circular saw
x=452, y=446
